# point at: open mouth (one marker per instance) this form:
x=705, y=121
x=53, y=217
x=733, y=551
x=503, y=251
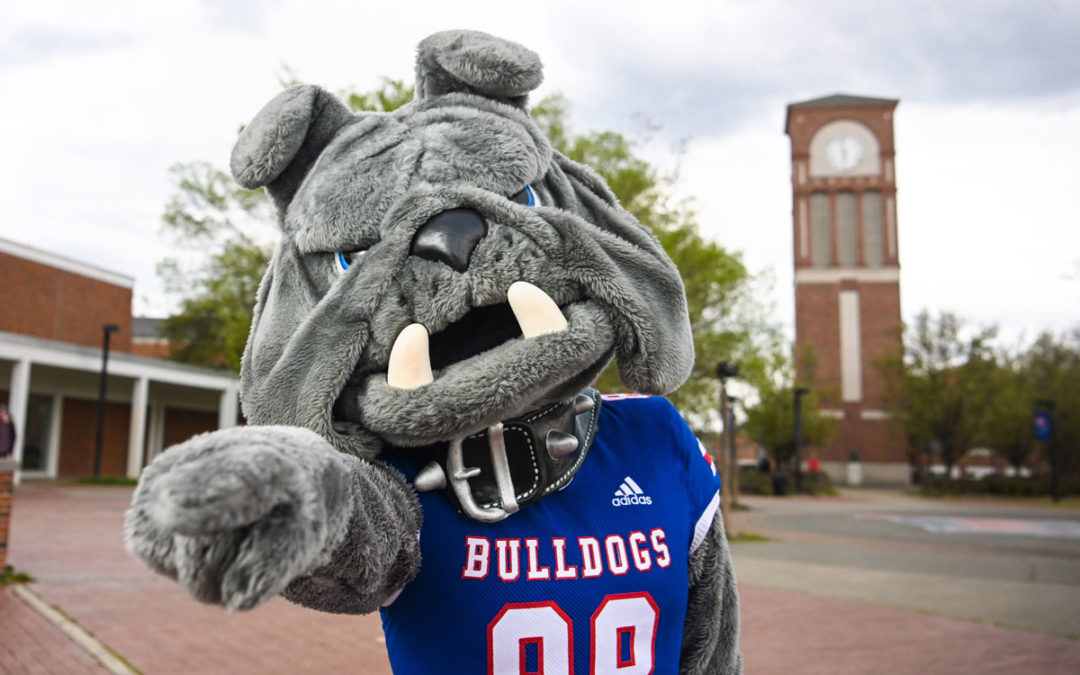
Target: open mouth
x=495, y=362
x=481, y=329
x=528, y=312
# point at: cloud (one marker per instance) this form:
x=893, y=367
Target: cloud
x=711, y=69
x=241, y=16
x=36, y=44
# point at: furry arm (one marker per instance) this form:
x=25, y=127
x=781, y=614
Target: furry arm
x=238, y=514
x=380, y=552
x=711, y=633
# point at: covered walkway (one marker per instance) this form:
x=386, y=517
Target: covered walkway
x=52, y=392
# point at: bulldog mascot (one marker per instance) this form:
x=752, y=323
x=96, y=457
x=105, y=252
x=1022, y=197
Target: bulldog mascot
x=424, y=441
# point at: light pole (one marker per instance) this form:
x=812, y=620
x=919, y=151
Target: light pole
x=108, y=329
x=724, y=370
x=733, y=453
x=799, y=393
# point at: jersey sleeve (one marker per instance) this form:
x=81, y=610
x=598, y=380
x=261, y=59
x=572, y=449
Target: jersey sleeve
x=702, y=479
x=707, y=483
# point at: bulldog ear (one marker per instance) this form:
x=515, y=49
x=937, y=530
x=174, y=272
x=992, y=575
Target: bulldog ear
x=476, y=63
x=630, y=272
x=279, y=146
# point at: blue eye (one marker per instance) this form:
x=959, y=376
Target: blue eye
x=345, y=259
x=526, y=197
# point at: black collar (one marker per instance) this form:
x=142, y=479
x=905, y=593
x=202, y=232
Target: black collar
x=492, y=474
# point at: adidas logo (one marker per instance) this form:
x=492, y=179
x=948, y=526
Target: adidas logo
x=630, y=493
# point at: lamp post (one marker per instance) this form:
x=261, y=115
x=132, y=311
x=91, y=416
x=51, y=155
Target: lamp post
x=799, y=393
x=108, y=329
x=733, y=453
x=724, y=370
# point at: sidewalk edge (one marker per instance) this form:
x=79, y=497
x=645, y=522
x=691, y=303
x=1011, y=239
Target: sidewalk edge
x=77, y=633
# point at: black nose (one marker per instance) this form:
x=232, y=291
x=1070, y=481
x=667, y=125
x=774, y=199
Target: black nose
x=450, y=237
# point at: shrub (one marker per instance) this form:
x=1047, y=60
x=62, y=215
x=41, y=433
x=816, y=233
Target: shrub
x=817, y=483
x=754, y=482
x=996, y=485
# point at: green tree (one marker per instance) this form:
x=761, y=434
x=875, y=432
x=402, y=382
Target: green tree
x=391, y=95
x=941, y=389
x=770, y=420
x=1052, y=367
x=227, y=227
x=1008, y=428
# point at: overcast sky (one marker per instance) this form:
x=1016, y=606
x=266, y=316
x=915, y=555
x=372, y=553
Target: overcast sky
x=100, y=98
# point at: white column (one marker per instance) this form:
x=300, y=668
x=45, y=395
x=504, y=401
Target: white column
x=227, y=408
x=19, y=393
x=56, y=424
x=156, y=435
x=137, y=428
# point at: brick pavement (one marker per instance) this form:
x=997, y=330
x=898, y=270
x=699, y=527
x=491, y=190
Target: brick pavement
x=70, y=540
x=30, y=644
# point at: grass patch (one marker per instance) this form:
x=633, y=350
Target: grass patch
x=744, y=537
x=10, y=576
x=122, y=660
x=107, y=480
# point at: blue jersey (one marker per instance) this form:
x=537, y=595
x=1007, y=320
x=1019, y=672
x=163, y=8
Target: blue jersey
x=590, y=579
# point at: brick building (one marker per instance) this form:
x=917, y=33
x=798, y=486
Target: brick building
x=847, y=274
x=51, y=329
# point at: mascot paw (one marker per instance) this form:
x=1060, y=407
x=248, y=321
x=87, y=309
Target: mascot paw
x=237, y=514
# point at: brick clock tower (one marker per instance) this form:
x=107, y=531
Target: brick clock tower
x=847, y=275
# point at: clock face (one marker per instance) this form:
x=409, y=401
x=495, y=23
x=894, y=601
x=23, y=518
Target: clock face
x=844, y=153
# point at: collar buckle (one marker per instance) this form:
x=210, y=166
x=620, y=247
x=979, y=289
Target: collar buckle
x=494, y=473
x=460, y=475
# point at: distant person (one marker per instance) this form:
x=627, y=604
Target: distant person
x=7, y=433
x=763, y=463
x=813, y=464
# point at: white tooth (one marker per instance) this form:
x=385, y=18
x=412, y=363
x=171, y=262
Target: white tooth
x=536, y=312
x=410, y=363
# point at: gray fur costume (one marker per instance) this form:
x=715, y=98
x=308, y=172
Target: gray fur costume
x=302, y=506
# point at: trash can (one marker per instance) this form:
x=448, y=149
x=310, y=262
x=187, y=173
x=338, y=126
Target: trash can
x=779, y=484
x=854, y=469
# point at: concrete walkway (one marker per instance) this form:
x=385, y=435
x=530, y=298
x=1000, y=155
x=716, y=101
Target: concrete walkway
x=962, y=560
x=846, y=586
x=70, y=540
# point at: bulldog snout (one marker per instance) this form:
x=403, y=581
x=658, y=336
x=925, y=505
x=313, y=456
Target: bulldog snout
x=450, y=237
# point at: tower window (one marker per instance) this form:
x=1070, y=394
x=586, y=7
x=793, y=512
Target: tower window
x=819, y=229
x=850, y=347
x=872, y=230
x=845, y=229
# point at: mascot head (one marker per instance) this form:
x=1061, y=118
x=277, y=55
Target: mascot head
x=441, y=267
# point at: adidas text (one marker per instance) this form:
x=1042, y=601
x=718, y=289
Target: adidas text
x=632, y=499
